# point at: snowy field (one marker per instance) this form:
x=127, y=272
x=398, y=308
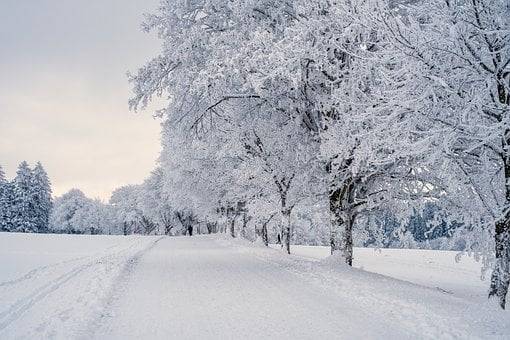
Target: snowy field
x=53, y=286
x=210, y=287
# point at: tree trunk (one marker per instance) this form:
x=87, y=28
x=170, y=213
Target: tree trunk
x=245, y=224
x=336, y=220
x=347, y=242
x=168, y=229
x=500, y=279
x=287, y=240
x=342, y=220
x=286, y=229
x=264, y=233
x=265, y=237
x=232, y=227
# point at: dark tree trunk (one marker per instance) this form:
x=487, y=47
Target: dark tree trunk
x=500, y=279
x=335, y=218
x=347, y=242
x=287, y=239
x=168, y=229
x=246, y=219
x=263, y=231
x=264, y=235
x=147, y=225
x=342, y=215
x=211, y=227
x=232, y=227
x=286, y=229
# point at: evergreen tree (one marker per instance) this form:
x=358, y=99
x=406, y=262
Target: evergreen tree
x=23, y=214
x=2, y=176
x=7, y=201
x=3, y=201
x=41, y=196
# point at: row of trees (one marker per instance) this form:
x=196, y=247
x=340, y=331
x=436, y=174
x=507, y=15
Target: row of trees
x=25, y=202
x=340, y=113
x=26, y=205
x=74, y=213
x=133, y=209
x=148, y=208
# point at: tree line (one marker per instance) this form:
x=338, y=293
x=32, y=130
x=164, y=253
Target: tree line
x=27, y=205
x=141, y=209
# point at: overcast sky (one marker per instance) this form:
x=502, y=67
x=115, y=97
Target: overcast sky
x=64, y=92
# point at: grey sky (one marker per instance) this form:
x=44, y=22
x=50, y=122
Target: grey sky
x=64, y=92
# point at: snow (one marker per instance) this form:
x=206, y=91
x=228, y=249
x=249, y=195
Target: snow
x=51, y=286
x=211, y=287
x=430, y=268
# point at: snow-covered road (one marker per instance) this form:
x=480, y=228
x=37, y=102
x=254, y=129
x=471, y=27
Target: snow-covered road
x=199, y=289
x=209, y=288
x=213, y=287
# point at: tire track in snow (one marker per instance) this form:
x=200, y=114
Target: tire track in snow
x=42, y=269
x=117, y=290
x=25, y=304
x=37, y=271
x=19, y=308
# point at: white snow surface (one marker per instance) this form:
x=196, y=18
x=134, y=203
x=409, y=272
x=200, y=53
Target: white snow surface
x=212, y=287
x=431, y=268
x=53, y=286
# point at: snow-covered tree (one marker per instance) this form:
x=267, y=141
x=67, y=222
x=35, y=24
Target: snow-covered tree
x=74, y=213
x=155, y=203
x=457, y=59
x=65, y=208
x=6, y=200
x=41, y=195
x=24, y=218
x=281, y=162
x=127, y=202
x=26, y=202
x=95, y=217
x=2, y=176
x=196, y=70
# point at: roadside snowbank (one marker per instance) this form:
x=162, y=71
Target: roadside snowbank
x=431, y=268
